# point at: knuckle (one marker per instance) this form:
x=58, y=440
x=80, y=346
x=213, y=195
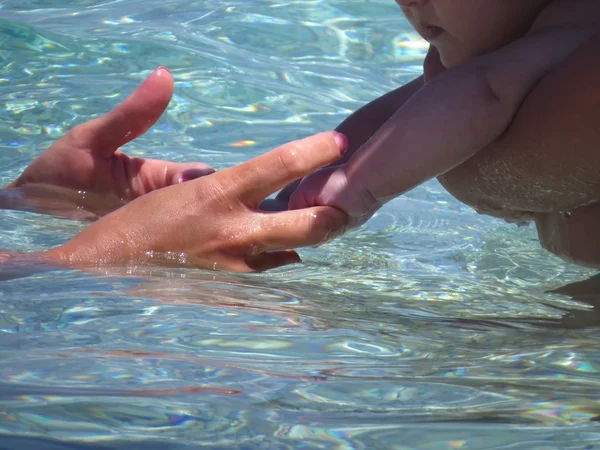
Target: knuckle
x=327, y=225
x=290, y=158
x=317, y=226
x=304, y=155
x=254, y=247
x=77, y=135
x=252, y=242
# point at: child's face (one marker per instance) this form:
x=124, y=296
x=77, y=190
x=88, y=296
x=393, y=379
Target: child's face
x=462, y=29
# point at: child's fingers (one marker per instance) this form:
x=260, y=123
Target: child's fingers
x=128, y=120
x=301, y=228
x=261, y=176
x=322, y=187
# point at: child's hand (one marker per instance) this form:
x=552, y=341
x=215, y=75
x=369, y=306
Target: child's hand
x=333, y=187
x=88, y=159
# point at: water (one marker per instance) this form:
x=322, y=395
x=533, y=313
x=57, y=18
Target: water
x=430, y=328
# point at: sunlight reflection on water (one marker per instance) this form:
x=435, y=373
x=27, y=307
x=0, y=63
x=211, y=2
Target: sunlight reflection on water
x=431, y=327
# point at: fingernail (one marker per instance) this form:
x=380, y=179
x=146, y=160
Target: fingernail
x=161, y=68
x=341, y=141
x=192, y=174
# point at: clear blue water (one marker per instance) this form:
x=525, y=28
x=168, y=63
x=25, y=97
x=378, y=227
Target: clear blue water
x=430, y=328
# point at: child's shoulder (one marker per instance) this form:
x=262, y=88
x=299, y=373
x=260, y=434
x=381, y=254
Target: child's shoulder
x=568, y=13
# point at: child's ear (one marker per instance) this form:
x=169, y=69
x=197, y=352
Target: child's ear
x=432, y=66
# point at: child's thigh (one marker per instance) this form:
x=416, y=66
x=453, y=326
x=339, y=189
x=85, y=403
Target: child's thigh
x=573, y=236
x=549, y=158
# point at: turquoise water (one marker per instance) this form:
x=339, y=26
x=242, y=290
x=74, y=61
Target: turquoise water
x=430, y=328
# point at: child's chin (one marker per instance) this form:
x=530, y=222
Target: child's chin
x=451, y=59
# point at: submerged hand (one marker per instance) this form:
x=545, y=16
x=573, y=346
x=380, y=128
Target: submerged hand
x=214, y=221
x=88, y=159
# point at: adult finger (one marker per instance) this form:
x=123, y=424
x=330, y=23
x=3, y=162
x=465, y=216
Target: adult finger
x=256, y=179
x=301, y=228
x=128, y=120
x=156, y=174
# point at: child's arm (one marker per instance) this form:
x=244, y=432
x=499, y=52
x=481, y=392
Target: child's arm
x=440, y=126
x=358, y=128
x=364, y=122
x=361, y=125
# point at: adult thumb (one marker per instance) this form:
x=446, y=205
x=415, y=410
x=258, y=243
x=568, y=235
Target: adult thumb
x=128, y=120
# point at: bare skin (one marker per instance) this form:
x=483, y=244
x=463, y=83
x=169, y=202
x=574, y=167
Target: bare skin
x=150, y=216
x=84, y=175
x=523, y=171
x=545, y=167
x=456, y=114
x=212, y=222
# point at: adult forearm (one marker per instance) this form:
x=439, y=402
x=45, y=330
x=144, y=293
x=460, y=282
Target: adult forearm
x=57, y=201
x=8, y=198
x=18, y=265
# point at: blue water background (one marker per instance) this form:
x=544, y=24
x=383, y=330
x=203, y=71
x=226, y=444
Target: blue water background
x=430, y=328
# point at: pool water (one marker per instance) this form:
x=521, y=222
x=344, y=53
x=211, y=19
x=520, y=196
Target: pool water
x=431, y=327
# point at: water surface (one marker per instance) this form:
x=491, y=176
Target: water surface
x=431, y=327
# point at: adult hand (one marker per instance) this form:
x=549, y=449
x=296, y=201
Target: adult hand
x=88, y=159
x=214, y=222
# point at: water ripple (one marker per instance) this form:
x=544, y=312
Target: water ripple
x=432, y=326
